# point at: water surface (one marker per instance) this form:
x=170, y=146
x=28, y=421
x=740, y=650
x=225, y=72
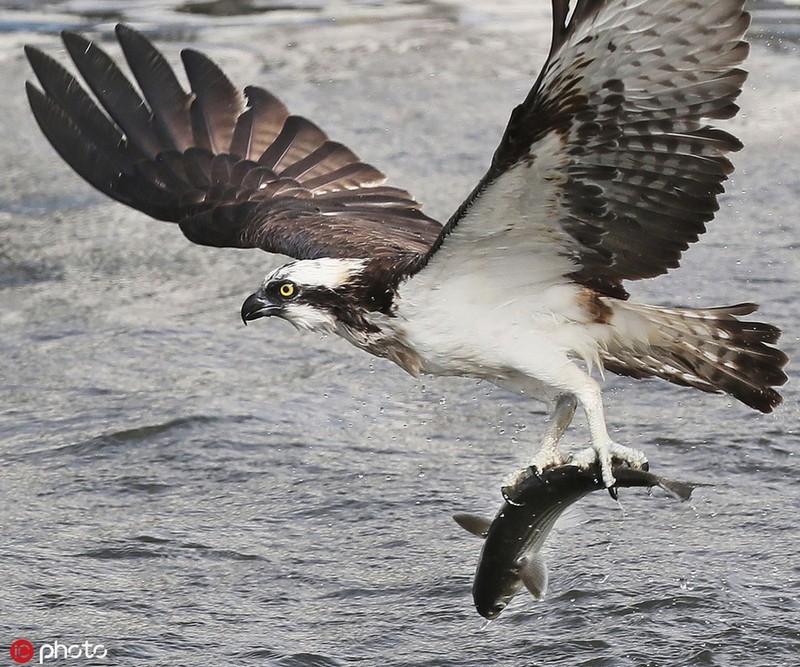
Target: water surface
x=187, y=491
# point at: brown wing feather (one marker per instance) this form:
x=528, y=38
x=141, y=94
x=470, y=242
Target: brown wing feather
x=233, y=170
x=260, y=123
x=168, y=101
x=216, y=106
x=613, y=135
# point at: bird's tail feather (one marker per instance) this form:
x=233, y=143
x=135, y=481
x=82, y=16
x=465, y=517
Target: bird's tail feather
x=710, y=349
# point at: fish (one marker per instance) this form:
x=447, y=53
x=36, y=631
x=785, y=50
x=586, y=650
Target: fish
x=511, y=556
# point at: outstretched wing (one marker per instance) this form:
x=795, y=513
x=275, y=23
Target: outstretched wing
x=608, y=171
x=233, y=169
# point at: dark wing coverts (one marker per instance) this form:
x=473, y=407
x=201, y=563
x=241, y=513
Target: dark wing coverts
x=233, y=170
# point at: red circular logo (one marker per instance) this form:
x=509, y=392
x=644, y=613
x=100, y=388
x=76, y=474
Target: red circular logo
x=21, y=651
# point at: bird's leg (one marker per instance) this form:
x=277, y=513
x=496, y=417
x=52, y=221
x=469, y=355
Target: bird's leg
x=561, y=415
x=605, y=449
x=548, y=455
x=570, y=384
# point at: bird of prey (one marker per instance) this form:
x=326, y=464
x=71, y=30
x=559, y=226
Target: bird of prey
x=606, y=172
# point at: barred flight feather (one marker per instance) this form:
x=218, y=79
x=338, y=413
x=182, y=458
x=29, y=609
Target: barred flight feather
x=232, y=169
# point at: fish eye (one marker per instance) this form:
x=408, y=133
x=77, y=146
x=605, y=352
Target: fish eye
x=496, y=609
x=287, y=290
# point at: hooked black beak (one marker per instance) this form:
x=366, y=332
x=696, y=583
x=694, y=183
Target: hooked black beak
x=257, y=305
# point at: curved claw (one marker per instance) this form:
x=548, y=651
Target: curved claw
x=547, y=458
x=605, y=455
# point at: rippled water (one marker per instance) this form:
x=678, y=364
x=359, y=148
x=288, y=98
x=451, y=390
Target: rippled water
x=186, y=491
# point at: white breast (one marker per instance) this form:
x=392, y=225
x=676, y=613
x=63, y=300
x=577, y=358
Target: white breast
x=515, y=332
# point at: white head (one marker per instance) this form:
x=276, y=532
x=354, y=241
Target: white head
x=305, y=293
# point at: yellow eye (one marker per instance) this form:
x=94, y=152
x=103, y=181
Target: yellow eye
x=286, y=290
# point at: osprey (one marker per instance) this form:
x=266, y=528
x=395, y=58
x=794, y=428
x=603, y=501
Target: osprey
x=606, y=172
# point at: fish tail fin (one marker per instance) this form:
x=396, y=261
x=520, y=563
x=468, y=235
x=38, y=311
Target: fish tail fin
x=679, y=490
